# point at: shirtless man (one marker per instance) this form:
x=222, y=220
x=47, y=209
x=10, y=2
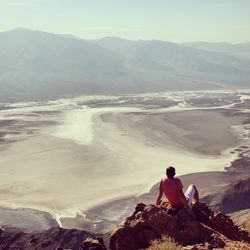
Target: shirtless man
x=172, y=188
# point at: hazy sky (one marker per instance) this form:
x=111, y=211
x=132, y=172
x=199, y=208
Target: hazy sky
x=172, y=20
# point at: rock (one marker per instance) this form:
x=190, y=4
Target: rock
x=93, y=244
x=215, y=241
x=201, y=228
x=54, y=238
x=155, y=221
x=61, y=248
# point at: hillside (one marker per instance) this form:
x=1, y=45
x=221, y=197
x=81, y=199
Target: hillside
x=232, y=198
x=239, y=50
x=36, y=64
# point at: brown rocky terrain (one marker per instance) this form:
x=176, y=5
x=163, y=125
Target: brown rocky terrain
x=50, y=239
x=197, y=228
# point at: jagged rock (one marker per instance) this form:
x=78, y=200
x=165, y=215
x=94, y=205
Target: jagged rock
x=61, y=248
x=219, y=222
x=93, y=244
x=215, y=241
x=200, y=227
x=154, y=221
x=54, y=238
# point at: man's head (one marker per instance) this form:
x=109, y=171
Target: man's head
x=170, y=172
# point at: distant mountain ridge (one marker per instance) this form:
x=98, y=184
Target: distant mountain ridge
x=36, y=64
x=239, y=50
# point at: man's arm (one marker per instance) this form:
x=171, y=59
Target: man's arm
x=158, y=201
x=183, y=198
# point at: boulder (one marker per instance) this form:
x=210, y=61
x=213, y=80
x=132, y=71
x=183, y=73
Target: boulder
x=93, y=244
x=199, y=227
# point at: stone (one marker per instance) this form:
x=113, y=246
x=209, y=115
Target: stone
x=197, y=228
x=93, y=244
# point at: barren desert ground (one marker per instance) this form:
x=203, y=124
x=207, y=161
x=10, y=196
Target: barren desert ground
x=68, y=155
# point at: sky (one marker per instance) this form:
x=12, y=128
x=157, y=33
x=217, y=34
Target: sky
x=169, y=20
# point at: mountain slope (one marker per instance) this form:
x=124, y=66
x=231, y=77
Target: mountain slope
x=161, y=55
x=238, y=50
x=35, y=64
x=44, y=64
x=232, y=198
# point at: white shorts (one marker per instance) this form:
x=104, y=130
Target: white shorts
x=190, y=194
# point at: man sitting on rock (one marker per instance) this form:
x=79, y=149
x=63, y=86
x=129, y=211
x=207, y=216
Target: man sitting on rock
x=172, y=188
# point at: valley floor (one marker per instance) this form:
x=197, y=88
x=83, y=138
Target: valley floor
x=70, y=156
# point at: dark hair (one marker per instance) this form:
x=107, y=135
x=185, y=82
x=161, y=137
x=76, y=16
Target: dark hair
x=170, y=172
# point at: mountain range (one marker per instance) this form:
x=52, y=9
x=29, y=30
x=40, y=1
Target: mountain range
x=36, y=65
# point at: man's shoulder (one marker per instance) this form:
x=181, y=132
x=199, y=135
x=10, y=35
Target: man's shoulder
x=178, y=182
x=172, y=180
x=177, y=179
x=163, y=179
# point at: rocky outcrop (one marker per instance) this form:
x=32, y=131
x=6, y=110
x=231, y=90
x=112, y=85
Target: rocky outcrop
x=93, y=244
x=199, y=226
x=54, y=238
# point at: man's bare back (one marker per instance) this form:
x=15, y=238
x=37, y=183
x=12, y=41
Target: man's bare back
x=172, y=188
